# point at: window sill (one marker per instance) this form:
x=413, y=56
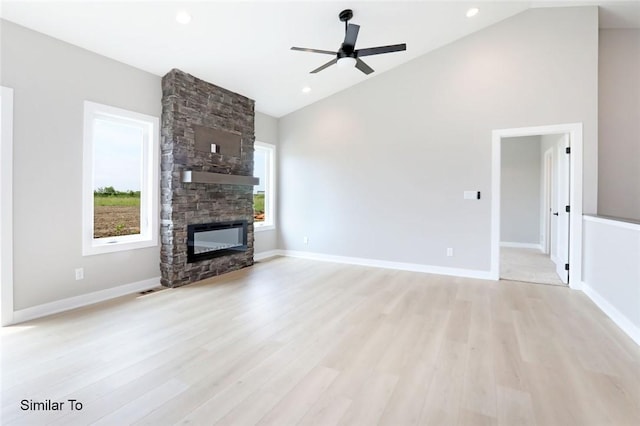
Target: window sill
x=260, y=228
x=103, y=247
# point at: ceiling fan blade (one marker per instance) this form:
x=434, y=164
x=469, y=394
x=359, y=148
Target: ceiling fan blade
x=351, y=35
x=327, y=65
x=304, y=49
x=381, y=49
x=360, y=64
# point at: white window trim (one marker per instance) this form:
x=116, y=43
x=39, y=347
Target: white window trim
x=149, y=210
x=270, y=188
x=6, y=205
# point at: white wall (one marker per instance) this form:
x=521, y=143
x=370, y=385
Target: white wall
x=521, y=191
x=619, y=123
x=612, y=272
x=378, y=171
x=266, y=128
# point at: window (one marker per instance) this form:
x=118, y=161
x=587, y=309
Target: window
x=264, y=161
x=120, y=185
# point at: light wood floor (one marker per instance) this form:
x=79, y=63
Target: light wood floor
x=292, y=341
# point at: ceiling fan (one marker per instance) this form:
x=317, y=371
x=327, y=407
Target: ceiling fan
x=348, y=55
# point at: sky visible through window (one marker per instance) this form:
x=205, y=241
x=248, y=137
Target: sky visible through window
x=259, y=169
x=117, y=156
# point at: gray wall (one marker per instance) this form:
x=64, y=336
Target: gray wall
x=378, y=171
x=51, y=80
x=520, y=186
x=619, y=124
x=267, y=132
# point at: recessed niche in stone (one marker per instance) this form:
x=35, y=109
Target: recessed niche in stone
x=227, y=143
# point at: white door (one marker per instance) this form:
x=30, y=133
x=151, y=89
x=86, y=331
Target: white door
x=562, y=205
x=548, y=202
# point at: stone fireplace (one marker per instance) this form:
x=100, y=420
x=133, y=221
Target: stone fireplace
x=206, y=178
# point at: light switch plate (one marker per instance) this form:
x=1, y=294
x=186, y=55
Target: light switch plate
x=471, y=195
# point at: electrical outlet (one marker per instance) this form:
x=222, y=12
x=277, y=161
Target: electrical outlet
x=305, y=240
x=449, y=252
x=79, y=273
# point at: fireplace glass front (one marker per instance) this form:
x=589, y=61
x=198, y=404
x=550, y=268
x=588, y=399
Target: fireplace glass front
x=209, y=240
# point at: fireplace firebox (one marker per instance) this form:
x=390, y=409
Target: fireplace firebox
x=209, y=240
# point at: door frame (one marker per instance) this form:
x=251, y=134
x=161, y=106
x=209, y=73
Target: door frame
x=575, y=193
x=6, y=206
x=547, y=200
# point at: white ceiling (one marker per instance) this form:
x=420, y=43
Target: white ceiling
x=244, y=46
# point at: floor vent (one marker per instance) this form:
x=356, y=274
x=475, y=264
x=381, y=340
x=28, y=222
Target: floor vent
x=151, y=290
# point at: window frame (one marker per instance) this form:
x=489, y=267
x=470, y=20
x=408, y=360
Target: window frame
x=269, y=188
x=149, y=208
x=6, y=206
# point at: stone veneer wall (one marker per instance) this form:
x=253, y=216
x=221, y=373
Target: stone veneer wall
x=186, y=102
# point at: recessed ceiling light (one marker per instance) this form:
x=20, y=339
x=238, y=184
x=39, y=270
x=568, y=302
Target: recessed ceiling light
x=183, y=17
x=472, y=12
x=306, y=89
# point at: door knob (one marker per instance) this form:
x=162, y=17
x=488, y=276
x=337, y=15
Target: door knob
x=555, y=214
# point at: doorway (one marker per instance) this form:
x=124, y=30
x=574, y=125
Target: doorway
x=531, y=191
x=557, y=219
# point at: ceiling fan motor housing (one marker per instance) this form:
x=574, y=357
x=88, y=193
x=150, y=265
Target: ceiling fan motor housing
x=346, y=51
x=345, y=15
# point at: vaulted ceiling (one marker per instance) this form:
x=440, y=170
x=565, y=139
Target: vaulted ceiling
x=244, y=45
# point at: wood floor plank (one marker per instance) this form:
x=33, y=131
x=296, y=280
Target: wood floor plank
x=327, y=411
x=472, y=418
x=146, y=403
x=209, y=381
x=295, y=404
x=507, y=361
x=251, y=410
x=444, y=396
x=405, y=404
x=479, y=394
x=514, y=407
x=458, y=326
x=371, y=400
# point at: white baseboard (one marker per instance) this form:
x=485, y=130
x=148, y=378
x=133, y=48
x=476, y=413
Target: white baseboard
x=111, y=293
x=266, y=255
x=618, y=318
x=82, y=300
x=413, y=267
x=521, y=245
